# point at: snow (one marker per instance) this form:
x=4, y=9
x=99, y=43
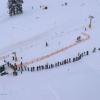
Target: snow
x=59, y=25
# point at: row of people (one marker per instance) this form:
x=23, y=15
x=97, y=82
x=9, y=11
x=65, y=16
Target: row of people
x=50, y=66
x=22, y=67
x=63, y=62
x=46, y=66
x=57, y=64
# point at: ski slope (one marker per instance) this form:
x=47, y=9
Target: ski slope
x=59, y=25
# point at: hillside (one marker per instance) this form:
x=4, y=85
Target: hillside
x=58, y=26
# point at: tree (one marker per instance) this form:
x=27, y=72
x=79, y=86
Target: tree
x=11, y=7
x=19, y=9
x=15, y=7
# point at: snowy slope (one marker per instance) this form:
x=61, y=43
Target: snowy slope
x=37, y=21
x=59, y=25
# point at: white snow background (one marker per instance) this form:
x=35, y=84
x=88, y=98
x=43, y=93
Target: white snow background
x=59, y=25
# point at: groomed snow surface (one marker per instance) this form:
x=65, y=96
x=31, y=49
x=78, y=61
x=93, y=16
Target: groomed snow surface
x=59, y=25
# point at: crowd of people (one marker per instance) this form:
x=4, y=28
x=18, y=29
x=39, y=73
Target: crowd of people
x=53, y=65
x=21, y=67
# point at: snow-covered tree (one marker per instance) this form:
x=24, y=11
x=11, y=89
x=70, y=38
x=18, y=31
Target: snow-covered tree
x=19, y=9
x=15, y=7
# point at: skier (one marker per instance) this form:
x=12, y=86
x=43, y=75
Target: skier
x=33, y=68
x=87, y=52
x=8, y=63
x=46, y=44
x=28, y=69
x=65, y=61
x=74, y=59
x=85, y=28
x=69, y=60
x=15, y=73
x=78, y=38
x=2, y=68
x=94, y=50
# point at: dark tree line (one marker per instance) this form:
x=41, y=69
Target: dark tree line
x=15, y=7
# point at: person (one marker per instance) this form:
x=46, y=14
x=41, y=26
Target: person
x=94, y=50
x=15, y=73
x=2, y=68
x=39, y=68
x=46, y=44
x=46, y=66
x=21, y=69
x=82, y=54
x=49, y=66
x=61, y=63
x=25, y=68
x=69, y=60
x=4, y=73
x=21, y=63
x=66, y=3
x=8, y=64
x=33, y=68
x=18, y=69
x=74, y=59
x=45, y=7
x=5, y=61
x=87, y=52
x=52, y=65
x=85, y=29
x=78, y=38
x=65, y=61
x=58, y=63
x=15, y=66
x=13, y=58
